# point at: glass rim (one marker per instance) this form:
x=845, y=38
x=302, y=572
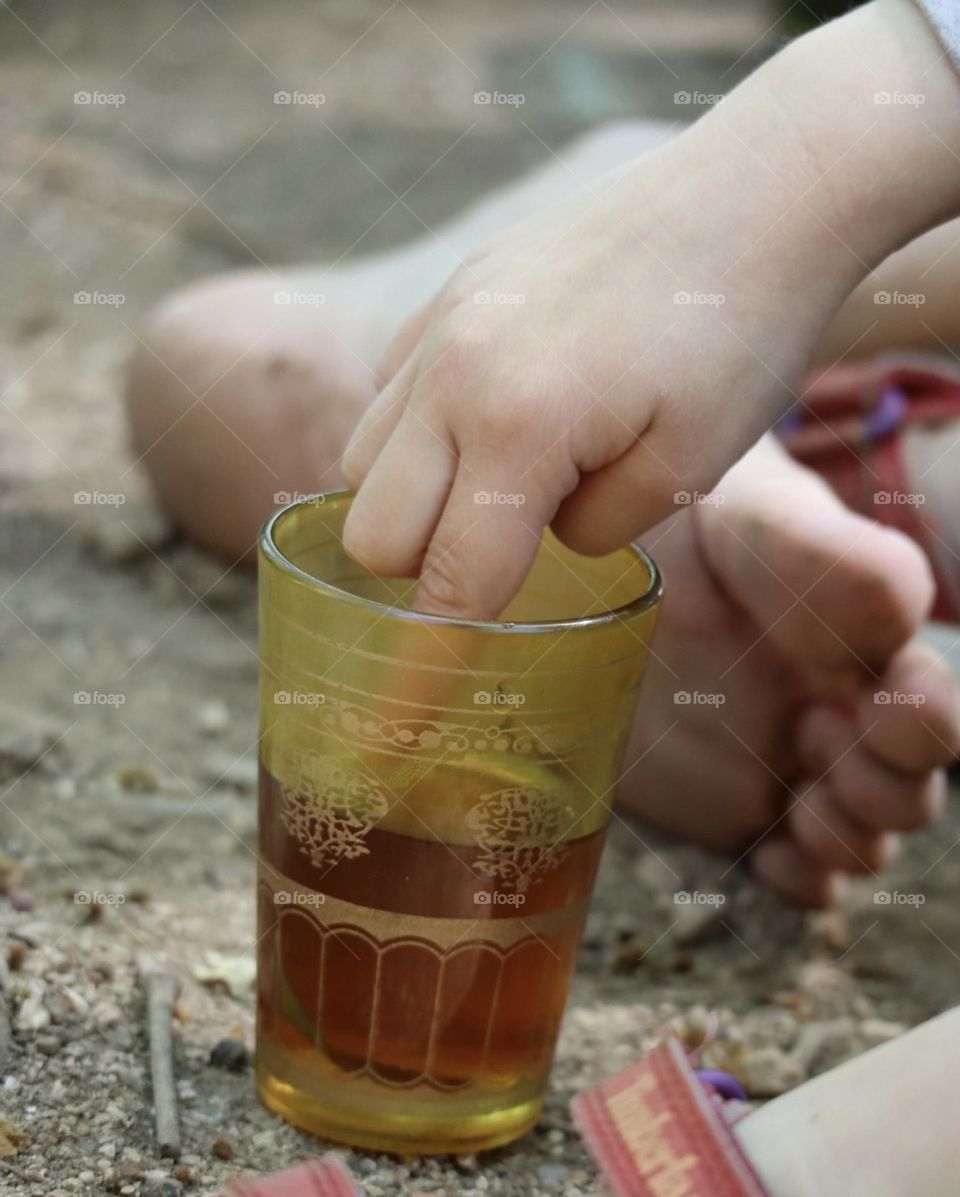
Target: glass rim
x=643, y=602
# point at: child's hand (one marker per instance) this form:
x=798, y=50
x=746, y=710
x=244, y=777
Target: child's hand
x=586, y=366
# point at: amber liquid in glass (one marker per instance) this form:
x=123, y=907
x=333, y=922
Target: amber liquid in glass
x=411, y=970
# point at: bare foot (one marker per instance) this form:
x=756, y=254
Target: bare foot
x=789, y=712
x=785, y=612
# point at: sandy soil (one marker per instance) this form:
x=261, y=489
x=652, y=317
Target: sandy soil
x=149, y=795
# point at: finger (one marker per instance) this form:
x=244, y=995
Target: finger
x=781, y=863
x=376, y=427
x=484, y=543
x=912, y=718
x=833, y=840
x=873, y=794
x=615, y=504
x=399, y=502
x=406, y=341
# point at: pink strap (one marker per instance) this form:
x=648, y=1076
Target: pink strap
x=655, y=1131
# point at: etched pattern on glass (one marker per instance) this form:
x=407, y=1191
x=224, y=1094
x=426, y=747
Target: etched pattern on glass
x=520, y=830
x=329, y=809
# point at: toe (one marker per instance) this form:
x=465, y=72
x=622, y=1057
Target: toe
x=911, y=720
x=831, y=838
x=780, y=863
x=872, y=793
x=837, y=593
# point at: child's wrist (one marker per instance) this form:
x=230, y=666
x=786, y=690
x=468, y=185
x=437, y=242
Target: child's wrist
x=853, y=136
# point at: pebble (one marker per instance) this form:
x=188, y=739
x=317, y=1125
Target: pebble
x=874, y=1031
x=47, y=1045
x=236, y=974
x=32, y=1014
x=830, y=930
x=16, y=956
x=768, y=1072
x=222, y=1149
x=231, y=1054
x=64, y=789
x=137, y=779
x=552, y=1174
x=161, y=1186
x=213, y=718
x=824, y=1043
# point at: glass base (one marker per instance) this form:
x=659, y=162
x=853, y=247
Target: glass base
x=395, y=1132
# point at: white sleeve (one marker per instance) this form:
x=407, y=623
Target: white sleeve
x=944, y=16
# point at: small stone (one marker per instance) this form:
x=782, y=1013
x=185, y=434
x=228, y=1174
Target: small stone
x=64, y=789
x=874, y=1031
x=829, y=930
x=213, y=718
x=183, y=1173
x=161, y=1186
x=236, y=974
x=129, y=1170
x=16, y=956
x=47, y=1045
x=631, y=955
x=222, y=1149
x=230, y=1054
x=32, y=1014
x=21, y=899
x=552, y=1174
x=823, y=1044
x=13, y=873
x=137, y=779
x=768, y=1072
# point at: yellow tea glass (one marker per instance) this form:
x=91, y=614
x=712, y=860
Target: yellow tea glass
x=434, y=795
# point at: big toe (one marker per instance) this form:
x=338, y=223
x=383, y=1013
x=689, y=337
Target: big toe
x=835, y=593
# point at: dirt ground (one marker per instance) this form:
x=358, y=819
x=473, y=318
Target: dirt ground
x=146, y=790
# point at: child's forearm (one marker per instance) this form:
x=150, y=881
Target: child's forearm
x=909, y=302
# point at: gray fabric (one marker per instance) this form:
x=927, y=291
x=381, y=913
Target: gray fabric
x=944, y=16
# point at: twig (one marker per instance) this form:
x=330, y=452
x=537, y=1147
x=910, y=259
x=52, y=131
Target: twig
x=4, y=1013
x=161, y=985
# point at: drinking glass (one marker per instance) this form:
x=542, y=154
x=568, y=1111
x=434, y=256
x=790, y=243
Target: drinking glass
x=434, y=795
